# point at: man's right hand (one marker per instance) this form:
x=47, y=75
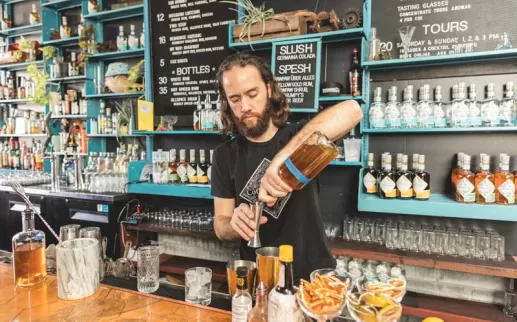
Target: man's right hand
x=243, y=221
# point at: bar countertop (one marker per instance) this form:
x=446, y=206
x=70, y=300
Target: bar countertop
x=40, y=303
x=66, y=192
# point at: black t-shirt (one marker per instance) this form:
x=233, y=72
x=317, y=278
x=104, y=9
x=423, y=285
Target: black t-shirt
x=298, y=224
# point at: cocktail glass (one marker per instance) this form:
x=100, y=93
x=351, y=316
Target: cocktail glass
x=406, y=33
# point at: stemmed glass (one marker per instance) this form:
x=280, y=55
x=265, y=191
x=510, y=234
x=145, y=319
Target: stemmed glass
x=406, y=33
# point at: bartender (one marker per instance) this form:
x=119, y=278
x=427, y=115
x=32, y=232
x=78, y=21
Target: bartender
x=254, y=111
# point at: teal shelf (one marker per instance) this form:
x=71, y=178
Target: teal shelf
x=177, y=132
x=171, y=190
x=440, y=60
x=116, y=14
x=113, y=135
x=113, y=55
x=22, y=30
x=59, y=5
x=73, y=117
x=444, y=130
x=303, y=110
x=67, y=42
x=72, y=79
x=113, y=95
x=347, y=164
x=326, y=37
x=15, y=101
x=20, y=66
x=336, y=99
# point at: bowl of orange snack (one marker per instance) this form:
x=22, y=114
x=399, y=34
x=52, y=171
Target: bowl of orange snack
x=393, y=288
x=370, y=307
x=324, y=298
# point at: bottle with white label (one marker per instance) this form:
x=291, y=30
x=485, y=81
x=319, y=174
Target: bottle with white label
x=387, y=186
x=34, y=17
x=81, y=27
x=207, y=115
x=64, y=30
x=459, y=107
x=508, y=106
x=370, y=176
x=465, y=185
x=182, y=168
x=241, y=300
x=405, y=180
x=142, y=36
x=439, y=115
x=485, y=183
x=490, y=108
x=425, y=108
x=392, y=112
x=505, y=184
x=209, y=170
x=376, y=112
x=474, y=107
x=408, y=109
x=73, y=69
x=121, y=39
x=192, y=167
x=421, y=181
x=132, y=39
x=198, y=122
x=217, y=116
x=202, y=168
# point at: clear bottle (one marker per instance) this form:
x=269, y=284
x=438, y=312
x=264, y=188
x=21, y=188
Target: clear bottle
x=490, y=108
x=81, y=28
x=142, y=36
x=387, y=181
x=209, y=170
x=474, y=107
x=132, y=39
x=217, y=114
x=108, y=125
x=392, y=112
x=73, y=69
x=121, y=39
x=64, y=30
x=459, y=107
x=405, y=180
x=198, y=121
x=505, y=184
x=34, y=17
x=282, y=303
x=465, y=186
x=408, y=109
x=376, y=113
x=485, y=183
x=241, y=300
x=182, y=168
x=425, y=108
x=440, y=117
x=507, y=112
x=202, y=168
x=207, y=115
x=421, y=181
x=259, y=312
x=29, y=253
x=375, y=46
x=370, y=176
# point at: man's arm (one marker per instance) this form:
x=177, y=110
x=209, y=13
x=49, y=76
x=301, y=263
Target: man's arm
x=334, y=122
x=232, y=223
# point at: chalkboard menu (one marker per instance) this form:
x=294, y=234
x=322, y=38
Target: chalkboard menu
x=296, y=66
x=445, y=27
x=189, y=39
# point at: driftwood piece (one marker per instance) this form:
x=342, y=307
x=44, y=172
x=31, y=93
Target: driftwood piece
x=280, y=26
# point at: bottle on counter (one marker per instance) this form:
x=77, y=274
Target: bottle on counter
x=485, y=182
x=241, y=300
x=207, y=115
x=259, y=312
x=405, y=180
x=81, y=28
x=387, y=188
x=209, y=169
x=121, y=39
x=73, y=69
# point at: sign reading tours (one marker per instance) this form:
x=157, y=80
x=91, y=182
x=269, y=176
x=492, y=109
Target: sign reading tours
x=446, y=27
x=189, y=39
x=296, y=66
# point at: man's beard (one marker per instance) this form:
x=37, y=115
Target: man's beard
x=260, y=126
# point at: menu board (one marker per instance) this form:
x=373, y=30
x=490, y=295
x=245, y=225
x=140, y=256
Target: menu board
x=296, y=66
x=189, y=39
x=445, y=27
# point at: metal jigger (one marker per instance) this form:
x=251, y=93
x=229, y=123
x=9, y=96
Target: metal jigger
x=257, y=210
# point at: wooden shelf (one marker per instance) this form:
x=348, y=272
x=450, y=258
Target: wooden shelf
x=507, y=269
x=178, y=265
x=170, y=230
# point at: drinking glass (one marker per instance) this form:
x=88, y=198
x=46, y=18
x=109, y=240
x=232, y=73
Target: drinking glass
x=442, y=241
x=148, y=272
x=392, y=235
x=454, y=242
x=348, y=229
x=367, y=232
x=416, y=239
x=380, y=232
x=358, y=228
x=510, y=302
x=429, y=240
x=468, y=244
x=404, y=237
x=482, y=246
x=497, y=247
x=198, y=285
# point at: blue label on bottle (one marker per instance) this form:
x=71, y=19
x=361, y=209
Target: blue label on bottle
x=440, y=123
x=295, y=172
x=496, y=121
x=475, y=121
x=379, y=124
x=395, y=123
x=410, y=122
x=429, y=121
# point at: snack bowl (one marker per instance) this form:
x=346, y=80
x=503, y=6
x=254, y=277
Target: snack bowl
x=344, y=277
x=393, y=288
x=370, y=307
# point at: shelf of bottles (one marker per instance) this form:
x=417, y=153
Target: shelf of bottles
x=59, y=5
x=21, y=155
x=115, y=14
x=63, y=42
x=113, y=95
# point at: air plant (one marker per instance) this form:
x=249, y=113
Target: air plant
x=125, y=113
x=133, y=75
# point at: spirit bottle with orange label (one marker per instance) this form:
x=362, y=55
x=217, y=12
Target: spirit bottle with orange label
x=405, y=180
x=465, y=184
x=387, y=186
x=370, y=176
x=485, y=183
x=505, y=184
x=202, y=168
x=422, y=181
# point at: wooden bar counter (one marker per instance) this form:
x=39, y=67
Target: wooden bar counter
x=40, y=303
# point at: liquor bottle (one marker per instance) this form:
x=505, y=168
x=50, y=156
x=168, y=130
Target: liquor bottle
x=474, y=107
x=490, y=108
x=376, y=113
x=422, y=181
x=93, y=6
x=456, y=171
x=282, y=304
x=370, y=176
x=207, y=115
x=465, y=185
x=6, y=22
x=81, y=27
x=481, y=158
x=459, y=107
x=17, y=161
x=64, y=30
x=241, y=300
x=173, y=167
x=485, y=183
x=414, y=165
x=259, y=312
x=34, y=17
x=209, y=170
x=101, y=118
x=132, y=39
x=408, y=109
x=20, y=92
x=505, y=184
x=72, y=66
x=5, y=155
x=182, y=168
x=405, y=180
x=11, y=88
x=399, y=164
x=202, y=168
x=142, y=36
x=392, y=112
x=507, y=106
x=375, y=46
x=197, y=115
x=29, y=253
x=353, y=74
x=387, y=186
x=108, y=125
x=5, y=89
x=121, y=39
x=440, y=119
x=425, y=108
x=191, y=168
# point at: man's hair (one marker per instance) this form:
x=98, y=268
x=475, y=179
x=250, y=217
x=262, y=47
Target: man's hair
x=278, y=102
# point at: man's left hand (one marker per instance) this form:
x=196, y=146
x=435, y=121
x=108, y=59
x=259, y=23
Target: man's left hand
x=272, y=186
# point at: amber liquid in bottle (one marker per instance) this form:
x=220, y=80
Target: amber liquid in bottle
x=456, y=171
x=309, y=159
x=505, y=184
x=202, y=168
x=370, y=176
x=182, y=168
x=422, y=181
x=387, y=186
x=465, y=184
x=485, y=183
x=405, y=181
x=173, y=167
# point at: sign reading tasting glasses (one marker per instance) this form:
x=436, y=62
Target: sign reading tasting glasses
x=296, y=66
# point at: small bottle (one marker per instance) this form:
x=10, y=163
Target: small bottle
x=209, y=170
x=108, y=125
x=207, y=115
x=142, y=36
x=485, y=183
x=34, y=17
x=259, y=312
x=121, y=39
x=192, y=166
x=241, y=300
x=11, y=87
x=72, y=66
x=202, y=168
x=425, y=108
x=422, y=181
x=6, y=22
x=182, y=168
x=375, y=46
x=455, y=172
x=132, y=39
x=405, y=180
x=197, y=115
x=387, y=185
x=93, y=6
x=459, y=107
x=173, y=167
x=392, y=112
x=507, y=112
x=505, y=184
x=440, y=119
x=21, y=88
x=399, y=164
x=408, y=109
x=81, y=28
x=474, y=107
x=465, y=186
x=490, y=108
x=376, y=112
x=353, y=75
x=29, y=253
x=64, y=30
x=217, y=116
x=370, y=176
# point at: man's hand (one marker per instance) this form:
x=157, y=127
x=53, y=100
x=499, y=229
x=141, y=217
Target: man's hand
x=243, y=221
x=272, y=186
